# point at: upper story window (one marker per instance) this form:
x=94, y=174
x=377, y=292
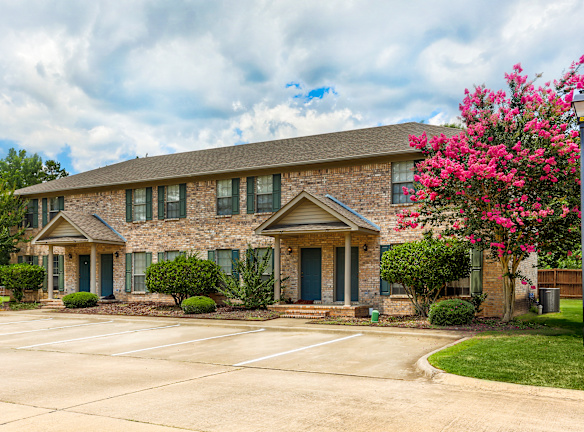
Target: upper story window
x=140, y=204
x=31, y=219
x=51, y=207
x=264, y=193
x=172, y=202
x=224, y=197
x=402, y=175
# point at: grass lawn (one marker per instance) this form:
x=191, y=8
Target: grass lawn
x=550, y=357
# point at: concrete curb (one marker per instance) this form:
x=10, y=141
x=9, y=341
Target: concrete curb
x=441, y=377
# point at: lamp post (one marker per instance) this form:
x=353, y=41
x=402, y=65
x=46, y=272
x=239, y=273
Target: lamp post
x=578, y=104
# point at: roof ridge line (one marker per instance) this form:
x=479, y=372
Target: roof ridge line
x=346, y=207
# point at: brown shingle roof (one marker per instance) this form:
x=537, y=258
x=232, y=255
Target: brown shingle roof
x=354, y=144
x=91, y=227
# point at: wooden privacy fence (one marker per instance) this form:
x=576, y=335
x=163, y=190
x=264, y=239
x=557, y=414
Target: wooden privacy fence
x=568, y=281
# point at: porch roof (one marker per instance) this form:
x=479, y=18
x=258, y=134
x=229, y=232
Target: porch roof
x=73, y=228
x=311, y=213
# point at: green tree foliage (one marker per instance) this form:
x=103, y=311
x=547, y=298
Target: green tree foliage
x=12, y=210
x=19, y=170
x=183, y=277
x=424, y=268
x=561, y=259
x=254, y=290
x=20, y=277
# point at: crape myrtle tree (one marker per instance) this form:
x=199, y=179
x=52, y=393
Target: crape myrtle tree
x=509, y=181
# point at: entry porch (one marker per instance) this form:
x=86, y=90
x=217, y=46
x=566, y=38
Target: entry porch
x=311, y=236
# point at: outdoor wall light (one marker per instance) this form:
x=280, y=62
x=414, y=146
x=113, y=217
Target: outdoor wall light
x=289, y=250
x=117, y=254
x=365, y=247
x=70, y=256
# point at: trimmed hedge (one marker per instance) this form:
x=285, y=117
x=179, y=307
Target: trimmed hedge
x=80, y=300
x=20, y=277
x=451, y=312
x=198, y=305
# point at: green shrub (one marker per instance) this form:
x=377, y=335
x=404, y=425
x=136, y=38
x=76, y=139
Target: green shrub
x=477, y=300
x=183, y=277
x=80, y=300
x=198, y=305
x=451, y=312
x=20, y=277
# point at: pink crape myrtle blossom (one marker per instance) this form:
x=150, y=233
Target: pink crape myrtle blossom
x=508, y=182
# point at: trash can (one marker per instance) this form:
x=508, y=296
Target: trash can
x=549, y=298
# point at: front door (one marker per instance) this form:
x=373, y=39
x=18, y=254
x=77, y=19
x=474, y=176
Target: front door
x=310, y=274
x=84, y=266
x=107, y=274
x=340, y=279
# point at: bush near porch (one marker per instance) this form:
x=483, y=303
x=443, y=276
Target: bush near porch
x=20, y=277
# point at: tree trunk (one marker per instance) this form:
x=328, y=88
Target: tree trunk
x=508, y=291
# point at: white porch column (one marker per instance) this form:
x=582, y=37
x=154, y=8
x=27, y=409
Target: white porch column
x=348, y=269
x=277, y=268
x=50, y=273
x=93, y=268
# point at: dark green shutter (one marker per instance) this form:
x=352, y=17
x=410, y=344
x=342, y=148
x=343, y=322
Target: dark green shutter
x=385, y=286
x=182, y=190
x=20, y=259
x=45, y=212
x=35, y=213
x=235, y=196
x=161, y=202
x=211, y=255
x=128, y=205
x=148, y=263
x=476, y=274
x=61, y=264
x=149, y=203
x=46, y=267
x=250, y=195
x=160, y=256
x=128, y=272
x=234, y=259
x=35, y=260
x=276, y=191
x=61, y=203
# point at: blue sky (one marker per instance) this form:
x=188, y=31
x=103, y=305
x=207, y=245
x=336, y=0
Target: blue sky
x=94, y=83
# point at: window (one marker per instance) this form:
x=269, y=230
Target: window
x=31, y=216
x=264, y=191
x=402, y=175
x=139, y=205
x=269, y=270
x=171, y=255
x=28, y=259
x=224, y=197
x=172, y=202
x=140, y=271
x=53, y=207
x=460, y=287
x=224, y=260
x=55, y=271
x=387, y=288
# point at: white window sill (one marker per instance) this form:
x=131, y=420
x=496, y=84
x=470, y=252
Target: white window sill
x=223, y=216
x=172, y=220
x=399, y=296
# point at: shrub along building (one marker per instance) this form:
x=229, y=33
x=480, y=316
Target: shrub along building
x=309, y=199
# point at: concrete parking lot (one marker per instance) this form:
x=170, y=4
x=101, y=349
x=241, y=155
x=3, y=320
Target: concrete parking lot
x=80, y=372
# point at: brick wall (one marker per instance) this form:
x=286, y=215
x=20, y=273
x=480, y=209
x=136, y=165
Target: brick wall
x=364, y=188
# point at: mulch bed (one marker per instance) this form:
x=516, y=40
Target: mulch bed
x=165, y=310
x=478, y=324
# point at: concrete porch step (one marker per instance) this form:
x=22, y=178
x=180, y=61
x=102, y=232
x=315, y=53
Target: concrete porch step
x=305, y=313
x=52, y=304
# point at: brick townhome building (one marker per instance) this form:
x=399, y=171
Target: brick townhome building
x=310, y=199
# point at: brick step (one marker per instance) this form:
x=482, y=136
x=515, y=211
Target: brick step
x=52, y=304
x=304, y=316
x=304, y=313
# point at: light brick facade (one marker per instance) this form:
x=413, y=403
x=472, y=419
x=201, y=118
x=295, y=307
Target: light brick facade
x=364, y=187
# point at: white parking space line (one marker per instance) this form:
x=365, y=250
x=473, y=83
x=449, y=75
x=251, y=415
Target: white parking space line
x=297, y=349
x=97, y=336
x=187, y=342
x=55, y=328
x=18, y=322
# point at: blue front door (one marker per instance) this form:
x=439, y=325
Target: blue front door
x=340, y=279
x=84, y=265
x=107, y=274
x=310, y=274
